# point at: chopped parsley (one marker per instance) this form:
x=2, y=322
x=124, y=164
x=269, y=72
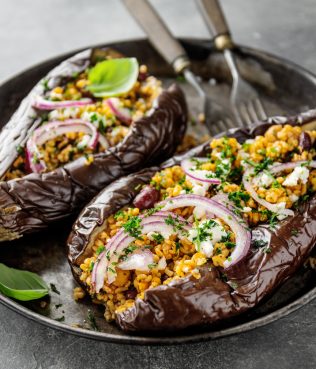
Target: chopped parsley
x=258, y=244
x=92, y=321
x=263, y=165
x=19, y=149
x=132, y=226
x=118, y=214
x=159, y=238
x=100, y=249
x=153, y=210
x=175, y=223
x=295, y=231
x=152, y=266
x=230, y=245
x=238, y=196
x=267, y=250
x=54, y=288
x=91, y=266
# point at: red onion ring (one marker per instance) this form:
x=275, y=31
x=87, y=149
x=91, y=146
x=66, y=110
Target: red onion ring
x=290, y=165
x=43, y=104
x=243, y=236
x=53, y=129
x=123, y=114
x=197, y=174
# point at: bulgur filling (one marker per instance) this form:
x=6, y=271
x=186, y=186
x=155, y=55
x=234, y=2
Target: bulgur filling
x=109, y=117
x=280, y=166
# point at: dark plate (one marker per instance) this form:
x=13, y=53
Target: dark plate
x=287, y=89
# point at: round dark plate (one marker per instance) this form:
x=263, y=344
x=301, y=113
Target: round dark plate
x=287, y=89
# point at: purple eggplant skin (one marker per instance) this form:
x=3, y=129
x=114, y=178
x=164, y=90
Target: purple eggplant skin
x=31, y=203
x=189, y=302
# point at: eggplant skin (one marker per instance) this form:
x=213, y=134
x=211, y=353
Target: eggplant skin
x=31, y=203
x=190, y=302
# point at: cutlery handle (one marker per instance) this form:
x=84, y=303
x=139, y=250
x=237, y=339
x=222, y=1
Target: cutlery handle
x=215, y=20
x=158, y=34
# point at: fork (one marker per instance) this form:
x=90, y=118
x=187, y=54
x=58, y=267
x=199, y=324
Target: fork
x=245, y=101
x=172, y=51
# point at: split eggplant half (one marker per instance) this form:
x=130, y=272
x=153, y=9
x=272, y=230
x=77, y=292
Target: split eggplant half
x=94, y=118
x=205, y=236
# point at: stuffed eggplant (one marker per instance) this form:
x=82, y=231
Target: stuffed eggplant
x=95, y=117
x=205, y=236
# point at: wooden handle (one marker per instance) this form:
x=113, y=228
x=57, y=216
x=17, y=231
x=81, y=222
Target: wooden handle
x=158, y=34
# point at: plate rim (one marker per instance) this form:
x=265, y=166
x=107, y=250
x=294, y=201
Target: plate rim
x=161, y=340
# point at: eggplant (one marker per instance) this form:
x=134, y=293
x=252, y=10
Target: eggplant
x=31, y=203
x=219, y=294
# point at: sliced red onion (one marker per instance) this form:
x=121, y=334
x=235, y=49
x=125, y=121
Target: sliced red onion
x=223, y=199
x=189, y=167
x=123, y=114
x=139, y=260
x=43, y=104
x=54, y=129
x=107, y=261
x=242, y=235
x=291, y=165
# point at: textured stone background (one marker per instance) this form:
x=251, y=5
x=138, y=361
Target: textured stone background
x=34, y=30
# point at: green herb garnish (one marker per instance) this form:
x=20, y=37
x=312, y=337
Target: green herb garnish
x=113, y=77
x=54, y=288
x=295, y=231
x=159, y=238
x=92, y=321
x=100, y=249
x=132, y=226
x=21, y=285
x=238, y=196
x=258, y=244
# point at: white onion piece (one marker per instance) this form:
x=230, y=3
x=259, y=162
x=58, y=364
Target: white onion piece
x=162, y=263
x=197, y=174
x=118, y=243
x=54, y=129
x=43, y=104
x=123, y=114
x=242, y=235
x=138, y=260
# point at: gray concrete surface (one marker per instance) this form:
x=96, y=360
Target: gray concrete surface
x=34, y=30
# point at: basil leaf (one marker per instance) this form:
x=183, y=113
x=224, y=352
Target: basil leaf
x=20, y=284
x=113, y=77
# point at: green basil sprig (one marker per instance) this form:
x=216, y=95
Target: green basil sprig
x=20, y=284
x=113, y=77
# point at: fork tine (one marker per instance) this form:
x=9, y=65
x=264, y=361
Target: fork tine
x=245, y=115
x=229, y=123
x=241, y=115
x=260, y=109
x=216, y=128
x=222, y=125
x=252, y=111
